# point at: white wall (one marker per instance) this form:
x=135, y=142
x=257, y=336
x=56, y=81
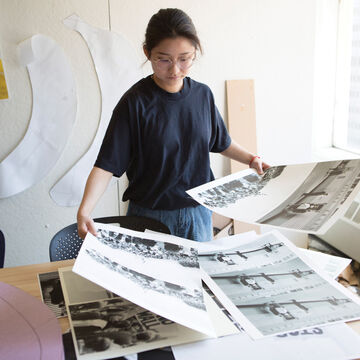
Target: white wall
x=269, y=41
x=30, y=219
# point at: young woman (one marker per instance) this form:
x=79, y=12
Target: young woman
x=161, y=133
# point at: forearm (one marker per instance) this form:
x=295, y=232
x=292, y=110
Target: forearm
x=238, y=153
x=96, y=185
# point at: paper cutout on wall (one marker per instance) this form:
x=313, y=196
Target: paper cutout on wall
x=117, y=68
x=52, y=119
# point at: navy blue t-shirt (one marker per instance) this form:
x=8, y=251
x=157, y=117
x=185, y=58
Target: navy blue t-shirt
x=162, y=140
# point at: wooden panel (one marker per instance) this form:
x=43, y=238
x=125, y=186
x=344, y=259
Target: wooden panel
x=242, y=128
x=25, y=278
x=241, y=116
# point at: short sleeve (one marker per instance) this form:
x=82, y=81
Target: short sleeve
x=115, y=152
x=220, y=139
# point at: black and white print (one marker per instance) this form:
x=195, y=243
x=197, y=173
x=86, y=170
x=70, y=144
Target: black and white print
x=277, y=291
x=229, y=193
x=51, y=293
x=320, y=197
x=158, y=272
x=305, y=197
x=113, y=327
x=106, y=326
x=192, y=297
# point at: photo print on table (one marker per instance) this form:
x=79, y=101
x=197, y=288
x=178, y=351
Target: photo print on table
x=108, y=326
x=51, y=293
x=116, y=327
x=277, y=290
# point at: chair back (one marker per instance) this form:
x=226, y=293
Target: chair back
x=66, y=243
x=2, y=249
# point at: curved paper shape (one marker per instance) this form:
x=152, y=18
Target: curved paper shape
x=52, y=119
x=28, y=328
x=117, y=68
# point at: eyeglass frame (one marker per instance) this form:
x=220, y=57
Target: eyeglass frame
x=171, y=62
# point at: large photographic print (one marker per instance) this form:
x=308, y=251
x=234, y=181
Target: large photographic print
x=113, y=326
x=318, y=199
x=304, y=197
x=336, y=341
x=159, y=273
x=270, y=288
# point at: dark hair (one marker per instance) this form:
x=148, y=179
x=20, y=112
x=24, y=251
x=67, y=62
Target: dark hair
x=170, y=23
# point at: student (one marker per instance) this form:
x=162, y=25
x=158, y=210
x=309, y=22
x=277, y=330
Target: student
x=161, y=133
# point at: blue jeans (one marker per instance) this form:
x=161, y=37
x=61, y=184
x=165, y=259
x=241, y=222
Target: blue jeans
x=193, y=223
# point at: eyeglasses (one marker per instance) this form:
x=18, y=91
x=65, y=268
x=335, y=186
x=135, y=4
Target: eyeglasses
x=182, y=62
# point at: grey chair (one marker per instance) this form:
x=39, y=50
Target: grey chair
x=66, y=243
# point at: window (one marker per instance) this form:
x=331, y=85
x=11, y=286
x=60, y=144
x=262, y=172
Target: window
x=346, y=132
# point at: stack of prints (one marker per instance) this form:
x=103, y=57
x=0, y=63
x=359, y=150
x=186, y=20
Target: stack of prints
x=262, y=284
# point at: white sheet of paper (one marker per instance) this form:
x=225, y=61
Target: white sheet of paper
x=52, y=118
x=270, y=287
x=161, y=276
x=330, y=264
x=302, y=197
x=117, y=68
x=333, y=342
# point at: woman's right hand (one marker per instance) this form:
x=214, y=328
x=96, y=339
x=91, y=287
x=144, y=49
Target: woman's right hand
x=85, y=225
x=96, y=184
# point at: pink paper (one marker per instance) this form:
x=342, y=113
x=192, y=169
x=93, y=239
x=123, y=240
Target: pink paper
x=28, y=328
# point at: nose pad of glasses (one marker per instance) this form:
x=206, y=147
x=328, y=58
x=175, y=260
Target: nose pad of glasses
x=174, y=65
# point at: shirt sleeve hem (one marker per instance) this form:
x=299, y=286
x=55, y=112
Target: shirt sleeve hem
x=224, y=147
x=108, y=167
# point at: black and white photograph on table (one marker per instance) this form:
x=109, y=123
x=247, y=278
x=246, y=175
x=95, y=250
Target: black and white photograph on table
x=51, y=293
x=305, y=197
x=149, y=248
x=99, y=326
x=105, y=327
x=280, y=292
x=162, y=285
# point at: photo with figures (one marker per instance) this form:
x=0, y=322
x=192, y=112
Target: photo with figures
x=229, y=193
x=191, y=297
x=318, y=198
x=277, y=295
x=51, y=293
x=148, y=248
x=106, y=326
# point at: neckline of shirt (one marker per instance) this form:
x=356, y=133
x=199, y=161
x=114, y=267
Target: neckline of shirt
x=171, y=96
